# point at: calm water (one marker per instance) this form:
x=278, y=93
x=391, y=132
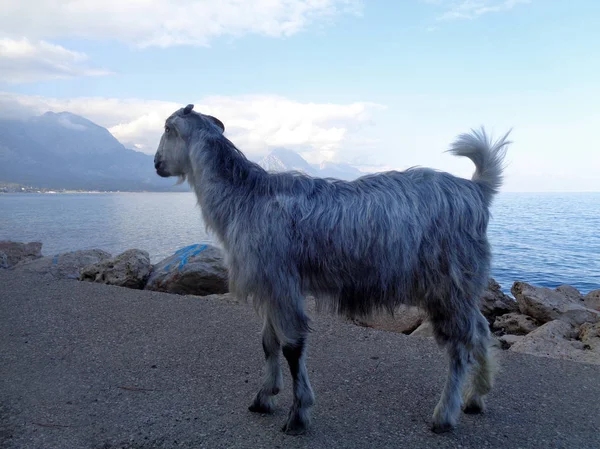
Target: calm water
x=545, y=239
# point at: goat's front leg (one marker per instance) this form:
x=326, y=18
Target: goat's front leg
x=298, y=419
x=264, y=401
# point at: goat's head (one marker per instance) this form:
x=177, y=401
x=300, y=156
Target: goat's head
x=172, y=157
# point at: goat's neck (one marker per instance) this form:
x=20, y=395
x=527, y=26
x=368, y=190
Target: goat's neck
x=218, y=177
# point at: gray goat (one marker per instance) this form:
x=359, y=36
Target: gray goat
x=416, y=237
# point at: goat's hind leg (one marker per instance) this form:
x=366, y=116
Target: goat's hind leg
x=482, y=377
x=457, y=330
x=264, y=401
x=445, y=415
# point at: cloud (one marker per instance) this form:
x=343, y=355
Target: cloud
x=24, y=61
x=255, y=123
x=471, y=9
x=165, y=23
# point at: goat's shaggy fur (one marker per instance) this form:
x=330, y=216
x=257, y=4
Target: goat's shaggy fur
x=416, y=237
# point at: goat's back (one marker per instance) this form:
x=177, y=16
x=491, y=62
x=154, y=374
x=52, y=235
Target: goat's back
x=381, y=240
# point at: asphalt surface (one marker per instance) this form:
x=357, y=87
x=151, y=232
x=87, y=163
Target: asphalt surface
x=93, y=366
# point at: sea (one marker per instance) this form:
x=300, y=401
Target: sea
x=545, y=239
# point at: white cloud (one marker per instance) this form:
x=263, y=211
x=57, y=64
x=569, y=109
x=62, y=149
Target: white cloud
x=165, y=23
x=255, y=123
x=317, y=130
x=23, y=61
x=471, y=9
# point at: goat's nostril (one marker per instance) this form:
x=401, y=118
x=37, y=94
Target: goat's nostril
x=157, y=164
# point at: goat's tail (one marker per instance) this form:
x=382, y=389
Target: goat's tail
x=487, y=156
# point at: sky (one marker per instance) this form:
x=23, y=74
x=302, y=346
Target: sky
x=377, y=84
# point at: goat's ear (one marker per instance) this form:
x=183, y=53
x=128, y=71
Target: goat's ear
x=188, y=109
x=217, y=122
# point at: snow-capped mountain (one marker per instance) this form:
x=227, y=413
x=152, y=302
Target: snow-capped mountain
x=282, y=159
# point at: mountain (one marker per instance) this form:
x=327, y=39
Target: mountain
x=282, y=159
x=66, y=151
x=340, y=171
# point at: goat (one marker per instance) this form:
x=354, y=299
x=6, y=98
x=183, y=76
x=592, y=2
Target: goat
x=417, y=237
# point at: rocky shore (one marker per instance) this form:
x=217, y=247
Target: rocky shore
x=557, y=323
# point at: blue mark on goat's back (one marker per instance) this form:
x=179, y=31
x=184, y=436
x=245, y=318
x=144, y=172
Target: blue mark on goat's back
x=55, y=260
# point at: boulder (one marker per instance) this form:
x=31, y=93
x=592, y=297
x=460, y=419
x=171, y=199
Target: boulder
x=570, y=292
x=495, y=303
x=65, y=265
x=592, y=300
x=556, y=339
x=546, y=305
x=424, y=330
x=129, y=269
x=405, y=320
x=508, y=340
x=194, y=270
x=589, y=334
x=11, y=253
x=515, y=323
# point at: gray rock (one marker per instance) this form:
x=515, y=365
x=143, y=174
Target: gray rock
x=65, y=265
x=424, y=330
x=515, y=323
x=11, y=253
x=495, y=303
x=570, y=292
x=510, y=339
x=130, y=269
x=405, y=320
x=589, y=334
x=592, y=300
x=546, y=305
x=193, y=270
x=556, y=339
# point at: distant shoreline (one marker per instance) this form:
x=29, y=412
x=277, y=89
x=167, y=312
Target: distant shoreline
x=16, y=188
x=71, y=192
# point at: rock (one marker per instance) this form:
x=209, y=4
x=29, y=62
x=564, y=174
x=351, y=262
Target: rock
x=510, y=339
x=556, y=339
x=11, y=253
x=194, y=270
x=589, y=334
x=515, y=323
x=129, y=269
x=546, y=305
x=570, y=292
x=405, y=320
x=65, y=265
x=495, y=303
x=424, y=330
x=592, y=300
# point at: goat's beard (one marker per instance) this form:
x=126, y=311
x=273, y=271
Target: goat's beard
x=180, y=180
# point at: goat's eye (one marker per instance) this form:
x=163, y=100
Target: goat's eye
x=167, y=129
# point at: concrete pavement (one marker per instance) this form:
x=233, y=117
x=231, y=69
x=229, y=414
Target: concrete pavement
x=93, y=366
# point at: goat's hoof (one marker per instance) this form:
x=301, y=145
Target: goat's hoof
x=474, y=406
x=295, y=426
x=260, y=407
x=442, y=427
x=293, y=430
x=473, y=409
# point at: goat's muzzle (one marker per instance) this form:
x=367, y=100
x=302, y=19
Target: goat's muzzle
x=160, y=168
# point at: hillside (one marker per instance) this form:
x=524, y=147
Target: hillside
x=66, y=151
